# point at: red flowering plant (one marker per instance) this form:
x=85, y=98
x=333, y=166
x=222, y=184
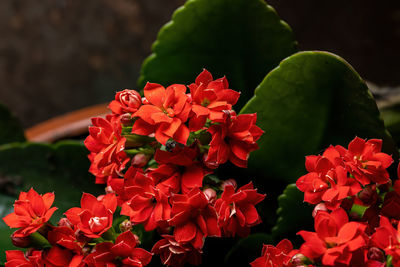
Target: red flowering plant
x=155, y=156
x=356, y=216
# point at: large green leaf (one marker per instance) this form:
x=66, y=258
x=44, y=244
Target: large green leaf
x=293, y=213
x=242, y=39
x=312, y=100
x=247, y=250
x=11, y=129
x=60, y=168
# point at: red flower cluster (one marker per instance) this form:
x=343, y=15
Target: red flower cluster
x=153, y=154
x=346, y=183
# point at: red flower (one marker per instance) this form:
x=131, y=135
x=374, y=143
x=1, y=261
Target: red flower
x=233, y=140
x=387, y=238
x=173, y=253
x=107, y=148
x=31, y=211
x=194, y=218
x=17, y=258
x=147, y=205
x=366, y=162
x=183, y=164
x=95, y=216
x=210, y=99
x=275, y=256
x=57, y=257
x=236, y=211
x=125, y=248
x=167, y=111
x=66, y=237
x=336, y=240
x=101, y=256
x=126, y=101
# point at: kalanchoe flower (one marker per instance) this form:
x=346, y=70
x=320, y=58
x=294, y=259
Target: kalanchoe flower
x=57, y=257
x=233, y=140
x=16, y=258
x=210, y=99
x=275, y=256
x=95, y=216
x=107, y=148
x=147, y=204
x=125, y=248
x=31, y=212
x=387, y=238
x=236, y=210
x=336, y=240
x=194, y=218
x=327, y=180
x=182, y=164
x=126, y=101
x=174, y=253
x=65, y=237
x=365, y=161
x=166, y=113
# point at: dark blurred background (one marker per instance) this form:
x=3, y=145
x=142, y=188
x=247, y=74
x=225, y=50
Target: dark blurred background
x=61, y=55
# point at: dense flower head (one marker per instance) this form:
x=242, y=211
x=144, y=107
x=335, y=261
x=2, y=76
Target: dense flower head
x=156, y=155
x=387, y=238
x=94, y=217
x=107, y=146
x=236, y=210
x=335, y=240
x=31, y=212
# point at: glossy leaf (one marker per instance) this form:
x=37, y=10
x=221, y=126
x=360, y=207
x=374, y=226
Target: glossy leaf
x=242, y=39
x=312, y=100
x=11, y=129
x=61, y=168
x=247, y=249
x=293, y=214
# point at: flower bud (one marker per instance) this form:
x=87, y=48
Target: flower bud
x=229, y=182
x=140, y=160
x=320, y=206
x=109, y=190
x=65, y=222
x=125, y=226
x=298, y=260
x=21, y=242
x=145, y=101
x=347, y=204
x=126, y=119
x=130, y=99
x=368, y=196
x=376, y=254
x=210, y=194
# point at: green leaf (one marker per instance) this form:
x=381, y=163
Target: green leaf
x=11, y=129
x=247, y=250
x=61, y=168
x=391, y=116
x=293, y=214
x=312, y=100
x=242, y=39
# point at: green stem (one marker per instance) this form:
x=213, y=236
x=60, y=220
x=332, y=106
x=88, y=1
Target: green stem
x=110, y=235
x=38, y=241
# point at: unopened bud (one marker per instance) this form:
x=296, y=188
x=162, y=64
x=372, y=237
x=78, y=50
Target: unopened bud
x=368, y=196
x=298, y=260
x=140, y=160
x=376, y=254
x=210, y=194
x=318, y=207
x=145, y=101
x=347, y=204
x=109, y=190
x=65, y=222
x=231, y=182
x=125, y=226
x=126, y=119
x=21, y=242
